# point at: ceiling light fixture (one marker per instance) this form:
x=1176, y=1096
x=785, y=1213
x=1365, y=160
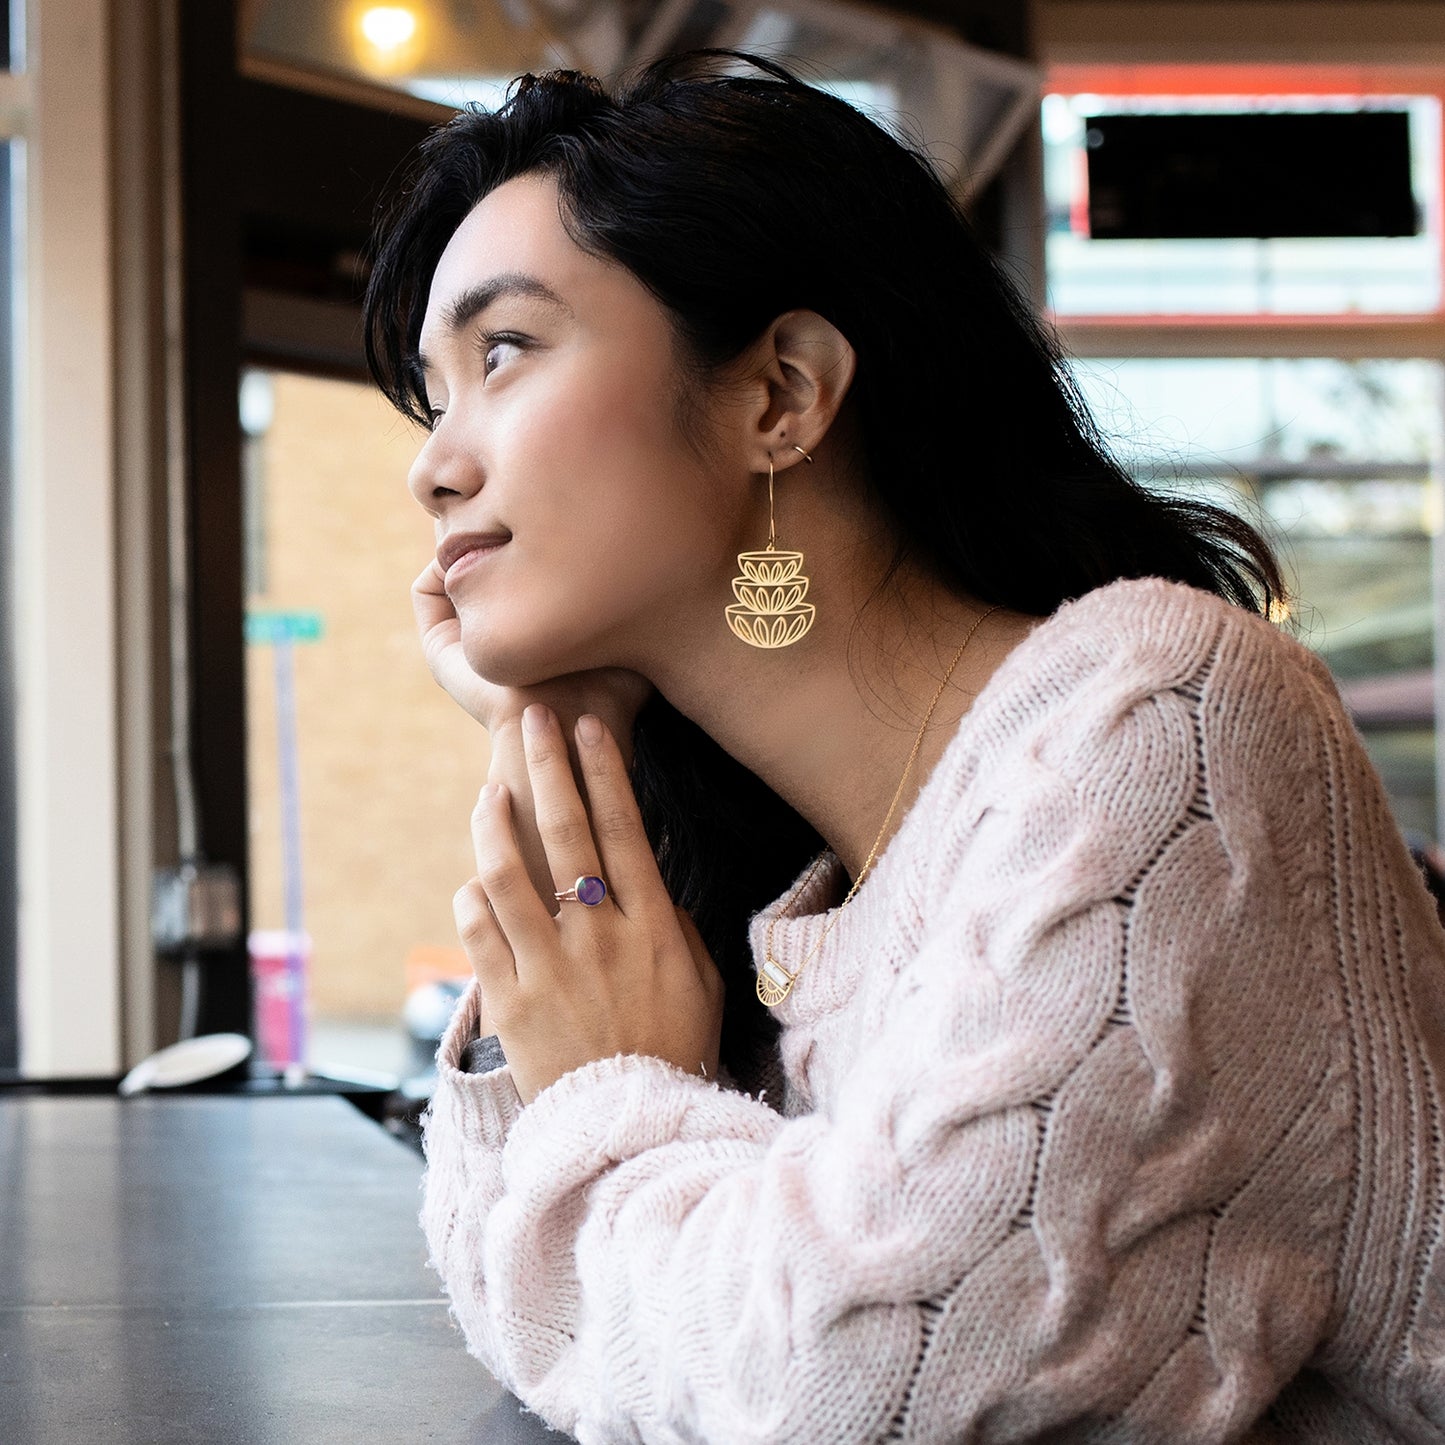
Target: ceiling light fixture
x=388, y=27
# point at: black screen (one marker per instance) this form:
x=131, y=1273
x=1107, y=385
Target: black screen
x=1212, y=176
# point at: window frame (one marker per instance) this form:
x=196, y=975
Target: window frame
x=64, y=602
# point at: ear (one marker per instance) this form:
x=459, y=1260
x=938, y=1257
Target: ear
x=802, y=369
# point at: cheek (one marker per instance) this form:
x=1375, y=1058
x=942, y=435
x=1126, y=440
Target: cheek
x=610, y=512
x=607, y=417
x=612, y=473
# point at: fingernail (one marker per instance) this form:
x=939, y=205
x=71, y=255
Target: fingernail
x=490, y=791
x=534, y=719
x=589, y=728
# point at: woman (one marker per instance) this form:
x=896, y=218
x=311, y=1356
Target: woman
x=1095, y=1095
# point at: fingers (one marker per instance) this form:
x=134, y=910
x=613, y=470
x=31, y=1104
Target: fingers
x=561, y=815
x=486, y=945
x=626, y=855
x=436, y=618
x=525, y=923
x=441, y=645
x=429, y=599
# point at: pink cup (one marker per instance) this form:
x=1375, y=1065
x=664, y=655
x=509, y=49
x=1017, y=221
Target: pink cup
x=279, y=963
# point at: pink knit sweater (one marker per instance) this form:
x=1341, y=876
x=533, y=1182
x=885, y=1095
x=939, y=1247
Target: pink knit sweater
x=1112, y=1106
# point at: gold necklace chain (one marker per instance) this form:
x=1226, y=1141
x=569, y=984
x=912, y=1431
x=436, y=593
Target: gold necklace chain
x=775, y=983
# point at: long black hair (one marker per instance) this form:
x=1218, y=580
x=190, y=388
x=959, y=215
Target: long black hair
x=737, y=197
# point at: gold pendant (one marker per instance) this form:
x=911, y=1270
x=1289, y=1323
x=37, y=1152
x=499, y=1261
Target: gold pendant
x=770, y=611
x=775, y=983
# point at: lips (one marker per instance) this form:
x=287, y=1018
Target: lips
x=456, y=546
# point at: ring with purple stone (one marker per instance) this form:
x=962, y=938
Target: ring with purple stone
x=588, y=889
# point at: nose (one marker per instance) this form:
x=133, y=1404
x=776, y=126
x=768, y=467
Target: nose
x=444, y=471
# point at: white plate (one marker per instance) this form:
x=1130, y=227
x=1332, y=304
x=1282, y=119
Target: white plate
x=187, y=1062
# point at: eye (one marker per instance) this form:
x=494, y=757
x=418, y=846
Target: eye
x=494, y=348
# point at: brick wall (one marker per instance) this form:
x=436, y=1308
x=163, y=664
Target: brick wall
x=388, y=765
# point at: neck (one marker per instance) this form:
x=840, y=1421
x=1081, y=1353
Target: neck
x=833, y=739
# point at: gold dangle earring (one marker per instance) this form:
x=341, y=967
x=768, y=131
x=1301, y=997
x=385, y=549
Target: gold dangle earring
x=770, y=611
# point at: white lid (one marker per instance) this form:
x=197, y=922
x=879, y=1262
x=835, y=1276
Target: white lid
x=187, y=1062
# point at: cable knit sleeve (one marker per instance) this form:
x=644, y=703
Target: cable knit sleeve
x=1094, y=1166
x=479, y=1109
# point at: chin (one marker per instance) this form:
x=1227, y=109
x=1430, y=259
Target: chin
x=498, y=666
x=508, y=663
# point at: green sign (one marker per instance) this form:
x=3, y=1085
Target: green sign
x=272, y=627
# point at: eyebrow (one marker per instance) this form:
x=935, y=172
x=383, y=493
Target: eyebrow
x=471, y=302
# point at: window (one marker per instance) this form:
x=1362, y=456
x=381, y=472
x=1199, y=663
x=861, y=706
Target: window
x=1340, y=463
x=1278, y=373
x=361, y=772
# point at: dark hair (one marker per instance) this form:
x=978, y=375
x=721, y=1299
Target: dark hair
x=735, y=198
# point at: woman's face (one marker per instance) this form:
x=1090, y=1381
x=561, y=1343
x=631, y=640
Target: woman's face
x=555, y=425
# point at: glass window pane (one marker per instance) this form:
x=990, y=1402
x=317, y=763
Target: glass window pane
x=361, y=772
x=1299, y=275
x=1341, y=462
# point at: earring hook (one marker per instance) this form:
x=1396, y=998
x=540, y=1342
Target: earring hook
x=772, y=534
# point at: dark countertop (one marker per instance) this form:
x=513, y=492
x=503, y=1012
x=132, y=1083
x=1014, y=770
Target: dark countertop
x=202, y=1270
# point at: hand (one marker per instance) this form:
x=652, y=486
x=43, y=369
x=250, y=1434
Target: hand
x=630, y=976
x=615, y=694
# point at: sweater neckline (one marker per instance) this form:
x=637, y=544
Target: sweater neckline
x=831, y=975
x=804, y=913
